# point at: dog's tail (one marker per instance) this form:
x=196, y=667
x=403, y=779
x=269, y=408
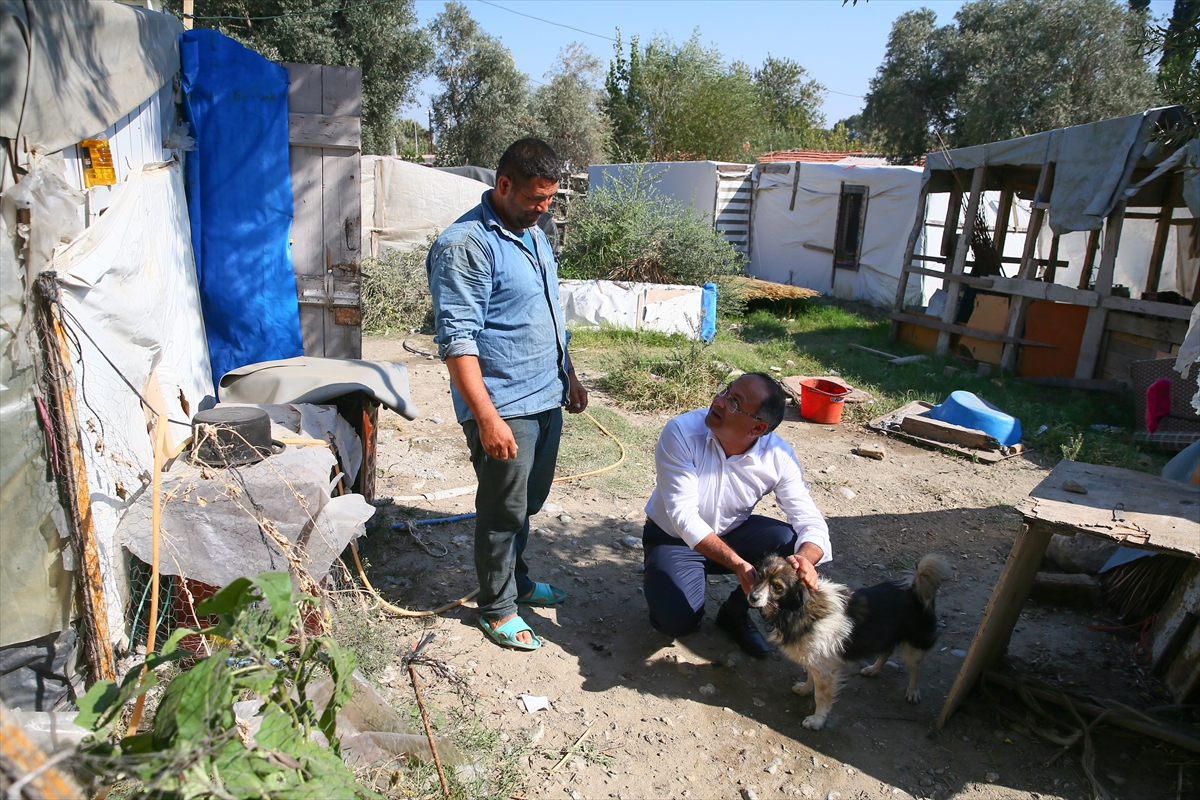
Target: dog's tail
x=930, y=572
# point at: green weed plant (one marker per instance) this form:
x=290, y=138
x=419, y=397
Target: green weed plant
x=194, y=749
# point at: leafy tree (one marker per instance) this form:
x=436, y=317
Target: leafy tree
x=912, y=92
x=1006, y=68
x=788, y=99
x=383, y=40
x=483, y=106
x=1179, y=64
x=667, y=101
x=670, y=101
x=567, y=109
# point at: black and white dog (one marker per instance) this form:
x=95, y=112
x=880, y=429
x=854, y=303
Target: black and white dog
x=823, y=630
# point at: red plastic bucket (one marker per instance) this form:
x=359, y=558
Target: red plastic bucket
x=821, y=400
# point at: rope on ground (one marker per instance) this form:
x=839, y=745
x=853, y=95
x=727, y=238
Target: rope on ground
x=403, y=612
x=614, y=465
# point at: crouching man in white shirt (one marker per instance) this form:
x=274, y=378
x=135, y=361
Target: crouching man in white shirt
x=714, y=465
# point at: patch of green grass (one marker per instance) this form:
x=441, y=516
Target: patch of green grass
x=816, y=340
x=584, y=448
x=647, y=379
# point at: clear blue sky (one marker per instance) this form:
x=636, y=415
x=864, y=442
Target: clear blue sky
x=841, y=46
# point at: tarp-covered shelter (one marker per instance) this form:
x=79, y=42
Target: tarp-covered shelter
x=102, y=326
x=1110, y=255
x=71, y=71
x=403, y=204
x=836, y=228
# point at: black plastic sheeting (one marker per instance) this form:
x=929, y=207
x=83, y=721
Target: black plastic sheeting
x=33, y=675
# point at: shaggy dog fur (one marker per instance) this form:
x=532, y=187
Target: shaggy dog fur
x=822, y=630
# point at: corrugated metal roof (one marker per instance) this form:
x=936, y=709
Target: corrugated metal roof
x=823, y=156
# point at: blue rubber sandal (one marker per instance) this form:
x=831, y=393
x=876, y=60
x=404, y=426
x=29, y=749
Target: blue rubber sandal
x=506, y=635
x=543, y=595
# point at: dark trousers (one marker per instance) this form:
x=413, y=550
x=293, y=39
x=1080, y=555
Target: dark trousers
x=509, y=492
x=675, y=573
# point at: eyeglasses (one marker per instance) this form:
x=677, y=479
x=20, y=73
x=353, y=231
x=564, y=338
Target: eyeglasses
x=723, y=393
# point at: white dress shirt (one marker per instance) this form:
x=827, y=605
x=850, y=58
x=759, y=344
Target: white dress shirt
x=701, y=491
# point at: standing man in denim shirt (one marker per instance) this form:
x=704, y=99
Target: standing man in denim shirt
x=500, y=331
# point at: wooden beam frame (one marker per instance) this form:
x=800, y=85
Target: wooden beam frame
x=1003, y=214
x=909, y=249
x=1089, y=258
x=1018, y=305
x=1161, y=233
x=963, y=330
x=1093, y=331
x=952, y=286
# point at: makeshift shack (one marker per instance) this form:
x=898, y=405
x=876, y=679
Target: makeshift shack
x=1107, y=271
x=834, y=223
x=110, y=323
x=404, y=203
x=834, y=228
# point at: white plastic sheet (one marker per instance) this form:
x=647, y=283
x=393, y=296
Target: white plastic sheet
x=132, y=306
x=411, y=202
x=215, y=522
x=793, y=242
x=632, y=306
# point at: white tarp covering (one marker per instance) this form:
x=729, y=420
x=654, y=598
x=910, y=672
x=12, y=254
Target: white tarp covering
x=693, y=183
x=403, y=204
x=793, y=243
x=71, y=68
x=130, y=296
x=633, y=306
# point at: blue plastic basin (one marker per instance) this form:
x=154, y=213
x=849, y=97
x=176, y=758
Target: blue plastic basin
x=969, y=411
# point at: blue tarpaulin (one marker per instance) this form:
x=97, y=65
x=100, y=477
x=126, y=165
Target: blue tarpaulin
x=239, y=190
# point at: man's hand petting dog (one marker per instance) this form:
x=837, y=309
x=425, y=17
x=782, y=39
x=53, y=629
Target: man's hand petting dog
x=746, y=575
x=808, y=573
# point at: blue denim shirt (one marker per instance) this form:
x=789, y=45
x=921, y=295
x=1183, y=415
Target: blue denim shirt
x=494, y=299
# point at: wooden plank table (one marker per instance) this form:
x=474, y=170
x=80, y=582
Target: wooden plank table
x=1132, y=508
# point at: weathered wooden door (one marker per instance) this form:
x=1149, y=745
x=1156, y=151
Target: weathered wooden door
x=325, y=133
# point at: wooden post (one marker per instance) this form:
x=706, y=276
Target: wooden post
x=188, y=11
x=950, y=226
x=1162, y=233
x=72, y=480
x=1003, y=609
x=1052, y=267
x=952, y=286
x=1015, y=323
x=909, y=249
x=1089, y=259
x=1003, y=214
x=1089, y=349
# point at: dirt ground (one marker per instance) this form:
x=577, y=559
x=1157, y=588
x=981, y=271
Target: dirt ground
x=695, y=718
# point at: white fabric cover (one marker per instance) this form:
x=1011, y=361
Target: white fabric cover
x=693, y=183
x=412, y=202
x=71, y=68
x=795, y=245
x=129, y=281
x=633, y=306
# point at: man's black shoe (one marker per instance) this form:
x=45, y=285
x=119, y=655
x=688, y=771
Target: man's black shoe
x=745, y=633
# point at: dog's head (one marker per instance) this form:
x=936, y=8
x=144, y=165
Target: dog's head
x=777, y=587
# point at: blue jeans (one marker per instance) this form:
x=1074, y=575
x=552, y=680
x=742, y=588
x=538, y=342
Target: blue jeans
x=675, y=575
x=509, y=491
